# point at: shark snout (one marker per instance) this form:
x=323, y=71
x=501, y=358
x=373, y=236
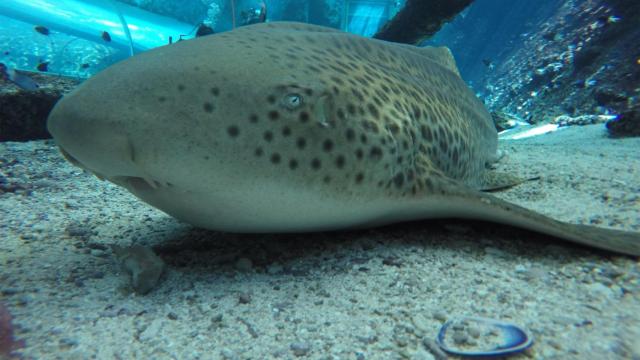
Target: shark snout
x=91, y=140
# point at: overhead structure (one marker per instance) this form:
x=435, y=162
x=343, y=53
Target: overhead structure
x=419, y=20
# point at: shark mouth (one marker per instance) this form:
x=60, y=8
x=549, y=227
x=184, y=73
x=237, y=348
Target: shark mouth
x=137, y=183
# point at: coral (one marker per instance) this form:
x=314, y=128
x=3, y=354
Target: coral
x=8, y=344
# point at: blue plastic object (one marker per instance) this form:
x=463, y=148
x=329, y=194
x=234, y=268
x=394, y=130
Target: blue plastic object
x=503, y=338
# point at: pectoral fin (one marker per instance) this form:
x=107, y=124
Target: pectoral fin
x=477, y=205
x=497, y=181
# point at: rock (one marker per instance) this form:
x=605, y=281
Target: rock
x=626, y=124
x=503, y=121
x=23, y=114
x=152, y=331
x=300, y=348
x=440, y=316
x=144, y=266
x=244, y=264
x=274, y=269
x=244, y=298
x=607, y=96
x=566, y=120
x=434, y=349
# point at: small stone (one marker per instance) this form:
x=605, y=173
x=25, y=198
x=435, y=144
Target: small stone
x=67, y=342
x=96, y=275
x=97, y=253
x=9, y=291
x=422, y=354
x=420, y=322
x=144, y=266
x=495, y=252
x=460, y=338
x=274, y=269
x=474, y=332
x=440, y=316
x=300, y=348
x=244, y=298
x=78, y=230
x=228, y=354
x=152, y=331
x=434, y=349
x=244, y=264
x=600, y=291
x=216, y=318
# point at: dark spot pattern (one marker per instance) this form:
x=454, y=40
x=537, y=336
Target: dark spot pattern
x=405, y=137
x=327, y=145
x=233, y=131
x=273, y=115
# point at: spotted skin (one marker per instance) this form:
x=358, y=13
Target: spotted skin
x=291, y=127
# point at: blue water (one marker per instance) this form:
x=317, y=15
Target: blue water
x=74, y=46
x=488, y=29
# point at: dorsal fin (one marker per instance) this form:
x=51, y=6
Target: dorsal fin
x=441, y=55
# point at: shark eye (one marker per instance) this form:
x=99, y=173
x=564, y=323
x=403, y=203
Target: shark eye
x=292, y=101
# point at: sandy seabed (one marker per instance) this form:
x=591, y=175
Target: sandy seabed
x=373, y=294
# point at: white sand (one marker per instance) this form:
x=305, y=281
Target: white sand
x=375, y=294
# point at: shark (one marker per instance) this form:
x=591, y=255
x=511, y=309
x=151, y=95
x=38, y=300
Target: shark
x=291, y=127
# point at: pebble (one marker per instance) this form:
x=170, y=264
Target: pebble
x=434, y=349
x=460, y=338
x=422, y=354
x=244, y=264
x=440, y=316
x=420, y=322
x=67, y=342
x=144, y=266
x=228, y=354
x=274, y=269
x=600, y=290
x=244, y=298
x=300, y=348
x=151, y=331
x=495, y=252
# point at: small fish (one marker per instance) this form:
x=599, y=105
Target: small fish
x=84, y=66
x=22, y=81
x=42, y=29
x=6, y=53
x=489, y=64
x=105, y=36
x=43, y=66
